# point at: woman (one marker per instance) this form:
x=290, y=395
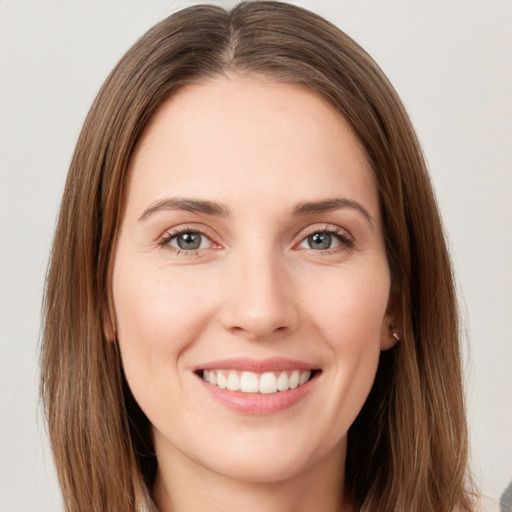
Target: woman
x=250, y=303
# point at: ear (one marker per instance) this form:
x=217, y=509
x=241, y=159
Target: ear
x=391, y=325
x=389, y=335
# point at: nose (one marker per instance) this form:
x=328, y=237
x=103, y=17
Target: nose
x=260, y=298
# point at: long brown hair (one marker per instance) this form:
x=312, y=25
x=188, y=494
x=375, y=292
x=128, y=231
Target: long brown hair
x=407, y=450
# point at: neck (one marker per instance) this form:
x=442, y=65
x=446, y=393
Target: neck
x=181, y=485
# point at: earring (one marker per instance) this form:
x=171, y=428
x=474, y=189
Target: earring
x=395, y=335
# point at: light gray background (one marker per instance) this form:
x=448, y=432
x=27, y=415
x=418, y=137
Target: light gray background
x=451, y=61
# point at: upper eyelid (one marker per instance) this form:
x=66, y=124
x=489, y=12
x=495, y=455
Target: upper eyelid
x=188, y=228
x=323, y=227
x=170, y=235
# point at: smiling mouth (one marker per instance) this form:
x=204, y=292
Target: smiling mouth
x=253, y=382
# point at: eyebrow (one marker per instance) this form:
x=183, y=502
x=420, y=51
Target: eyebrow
x=210, y=208
x=329, y=205
x=189, y=205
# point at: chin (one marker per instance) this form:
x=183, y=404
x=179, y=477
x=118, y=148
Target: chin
x=267, y=458
x=257, y=469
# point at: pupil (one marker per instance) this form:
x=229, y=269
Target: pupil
x=189, y=241
x=319, y=241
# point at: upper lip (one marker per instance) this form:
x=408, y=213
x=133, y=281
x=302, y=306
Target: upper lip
x=257, y=365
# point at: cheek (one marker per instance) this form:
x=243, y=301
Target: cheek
x=156, y=317
x=350, y=308
x=350, y=315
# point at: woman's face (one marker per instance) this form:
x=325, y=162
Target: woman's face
x=251, y=255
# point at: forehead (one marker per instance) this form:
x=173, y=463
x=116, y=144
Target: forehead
x=240, y=135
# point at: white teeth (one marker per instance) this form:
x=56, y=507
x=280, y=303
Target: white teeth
x=250, y=382
x=282, y=382
x=268, y=383
x=304, y=377
x=222, y=382
x=294, y=379
x=233, y=381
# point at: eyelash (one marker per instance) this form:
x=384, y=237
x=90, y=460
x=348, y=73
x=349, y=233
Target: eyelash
x=346, y=242
x=170, y=235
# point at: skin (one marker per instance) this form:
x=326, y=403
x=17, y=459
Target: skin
x=255, y=288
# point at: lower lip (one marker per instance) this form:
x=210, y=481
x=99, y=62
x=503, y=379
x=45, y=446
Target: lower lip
x=259, y=404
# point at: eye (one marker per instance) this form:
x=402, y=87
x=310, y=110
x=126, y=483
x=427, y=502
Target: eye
x=326, y=239
x=188, y=241
x=320, y=241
